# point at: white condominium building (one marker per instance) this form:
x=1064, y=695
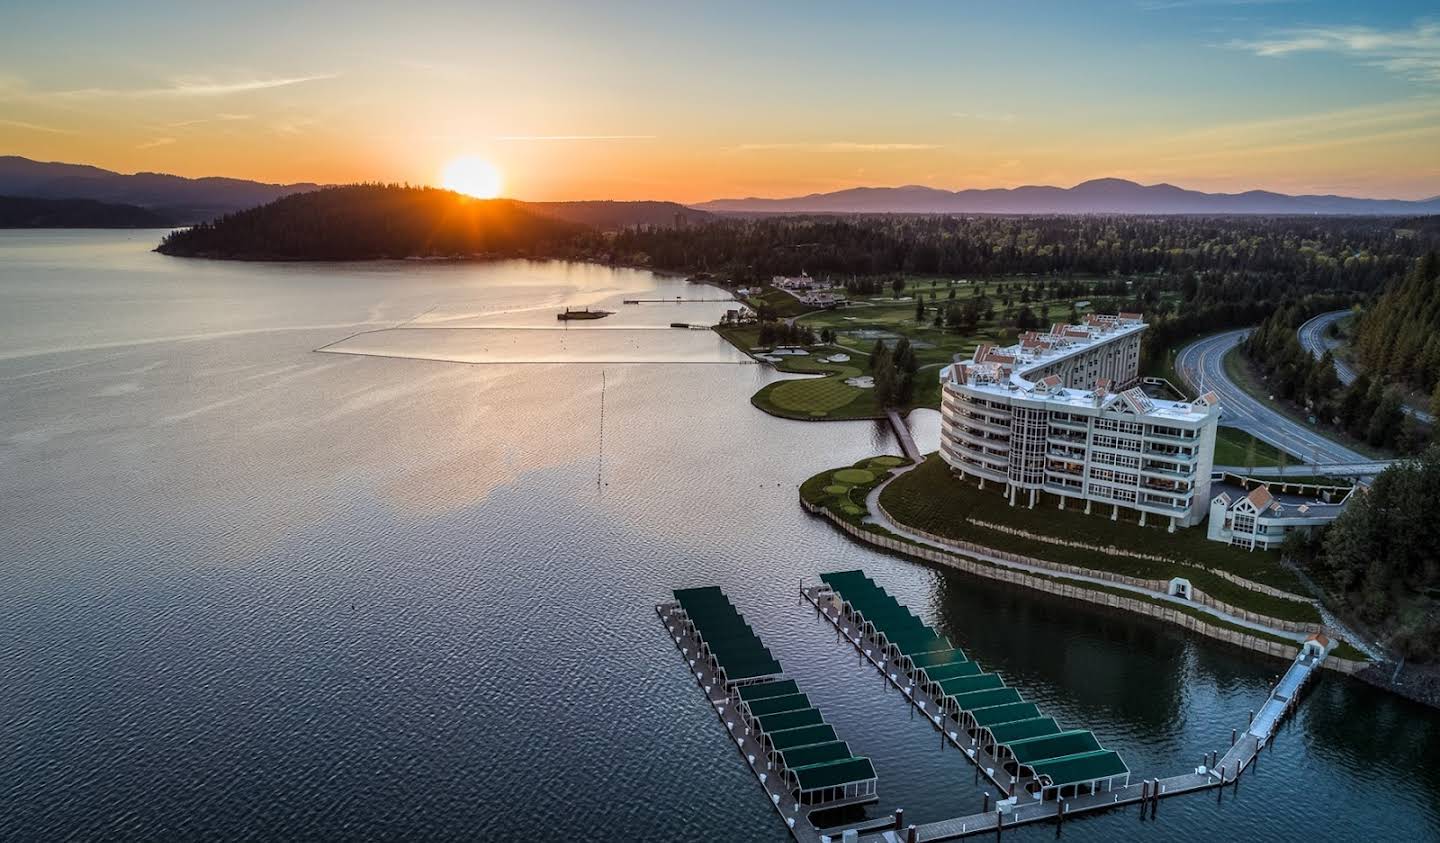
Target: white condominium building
x=1059, y=412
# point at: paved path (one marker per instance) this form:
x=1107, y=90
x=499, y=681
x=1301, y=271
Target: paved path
x=1201, y=365
x=877, y=515
x=1312, y=336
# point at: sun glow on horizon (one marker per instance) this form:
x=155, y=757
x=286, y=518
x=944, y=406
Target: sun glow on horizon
x=473, y=177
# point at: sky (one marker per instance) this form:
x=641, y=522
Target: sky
x=687, y=100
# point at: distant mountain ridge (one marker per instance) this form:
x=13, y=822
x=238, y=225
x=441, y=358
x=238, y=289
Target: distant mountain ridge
x=176, y=198
x=1098, y=196
x=183, y=201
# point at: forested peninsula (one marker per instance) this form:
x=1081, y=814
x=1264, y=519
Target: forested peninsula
x=373, y=221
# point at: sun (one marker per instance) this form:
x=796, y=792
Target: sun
x=473, y=176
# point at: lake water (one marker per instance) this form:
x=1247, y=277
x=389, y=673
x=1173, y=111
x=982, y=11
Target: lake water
x=252, y=591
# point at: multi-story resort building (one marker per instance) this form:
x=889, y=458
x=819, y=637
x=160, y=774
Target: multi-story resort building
x=1061, y=412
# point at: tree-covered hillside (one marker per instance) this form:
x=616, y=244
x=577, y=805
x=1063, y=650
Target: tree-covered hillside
x=22, y=212
x=1399, y=338
x=357, y=222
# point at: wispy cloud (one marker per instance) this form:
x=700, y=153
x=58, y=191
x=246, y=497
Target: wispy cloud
x=1413, y=53
x=1162, y=5
x=834, y=146
x=216, y=118
x=186, y=87
x=36, y=127
x=987, y=117
x=572, y=137
x=151, y=144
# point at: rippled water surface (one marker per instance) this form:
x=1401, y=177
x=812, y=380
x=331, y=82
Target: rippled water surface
x=252, y=591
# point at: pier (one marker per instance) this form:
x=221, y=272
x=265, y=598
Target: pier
x=676, y=300
x=1031, y=791
x=902, y=432
x=795, y=755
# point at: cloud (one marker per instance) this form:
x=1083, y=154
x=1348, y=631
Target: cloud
x=1162, y=5
x=36, y=127
x=1412, y=53
x=572, y=137
x=151, y=144
x=988, y=117
x=834, y=146
x=218, y=118
x=185, y=88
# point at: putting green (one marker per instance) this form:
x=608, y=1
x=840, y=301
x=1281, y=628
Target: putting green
x=836, y=490
x=813, y=396
x=886, y=462
x=851, y=509
x=854, y=476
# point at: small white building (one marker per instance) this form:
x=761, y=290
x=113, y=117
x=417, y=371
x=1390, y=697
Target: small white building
x=1262, y=518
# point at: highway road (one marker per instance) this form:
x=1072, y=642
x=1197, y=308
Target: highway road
x=1201, y=365
x=1312, y=336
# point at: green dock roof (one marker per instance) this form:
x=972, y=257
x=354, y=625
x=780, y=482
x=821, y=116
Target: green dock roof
x=1019, y=730
x=1059, y=745
x=1081, y=768
x=775, y=705
x=985, y=699
x=995, y=715
x=783, y=720
x=937, y=658
x=803, y=736
x=967, y=684
x=954, y=670
x=734, y=645
x=761, y=690
x=833, y=773
x=819, y=753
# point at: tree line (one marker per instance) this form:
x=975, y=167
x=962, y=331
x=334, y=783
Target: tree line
x=1369, y=409
x=1382, y=555
x=1398, y=338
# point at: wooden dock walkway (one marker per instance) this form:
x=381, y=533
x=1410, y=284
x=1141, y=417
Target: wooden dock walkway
x=902, y=432
x=1024, y=808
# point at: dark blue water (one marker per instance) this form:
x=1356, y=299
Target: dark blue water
x=250, y=591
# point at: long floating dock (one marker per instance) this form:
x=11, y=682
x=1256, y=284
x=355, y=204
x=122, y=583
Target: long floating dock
x=798, y=759
x=1047, y=772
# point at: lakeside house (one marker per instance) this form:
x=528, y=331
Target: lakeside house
x=1060, y=412
x=1262, y=518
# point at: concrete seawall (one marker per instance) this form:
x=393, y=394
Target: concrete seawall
x=1130, y=604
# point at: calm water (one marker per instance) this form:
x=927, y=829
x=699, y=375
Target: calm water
x=252, y=591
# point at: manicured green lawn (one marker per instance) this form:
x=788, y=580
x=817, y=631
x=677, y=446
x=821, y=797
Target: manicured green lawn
x=930, y=498
x=1233, y=447
x=843, y=490
x=813, y=396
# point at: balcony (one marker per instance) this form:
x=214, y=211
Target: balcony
x=971, y=438
x=1079, y=427
x=1162, y=471
x=1157, y=453
x=1171, y=440
x=1063, y=439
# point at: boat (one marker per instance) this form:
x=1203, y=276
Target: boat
x=583, y=313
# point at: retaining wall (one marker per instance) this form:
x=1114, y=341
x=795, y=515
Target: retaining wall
x=1042, y=583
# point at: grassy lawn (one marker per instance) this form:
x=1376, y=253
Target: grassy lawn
x=782, y=303
x=1239, y=370
x=1233, y=447
x=930, y=498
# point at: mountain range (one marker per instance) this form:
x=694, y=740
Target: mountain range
x=184, y=201
x=176, y=199
x=1099, y=196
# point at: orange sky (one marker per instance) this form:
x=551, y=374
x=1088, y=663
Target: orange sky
x=653, y=101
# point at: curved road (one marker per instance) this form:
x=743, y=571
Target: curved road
x=1201, y=363
x=1312, y=336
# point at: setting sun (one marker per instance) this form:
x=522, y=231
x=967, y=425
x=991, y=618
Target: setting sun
x=473, y=176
